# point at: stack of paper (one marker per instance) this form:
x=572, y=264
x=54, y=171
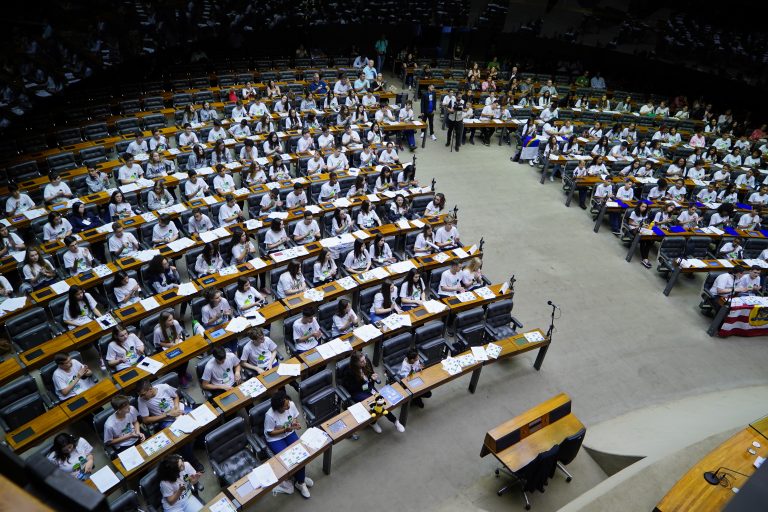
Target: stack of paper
x=180, y=244
x=148, y=216
x=186, y=289
x=289, y=370
x=373, y=274
x=395, y=321
x=228, y=271
x=367, y=332
x=294, y=455
x=466, y=360
x=13, y=303
x=433, y=306
x=493, y=350
x=149, y=365
x=403, y=224
x=362, y=235
x=184, y=424
x=401, y=267
x=262, y=476
x=149, y=303
x=479, y=353
x=348, y=283
x=451, y=365
x=252, y=387
x=106, y=228
x=466, y=296
x=278, y=215
x=18, y=255
x=534, y=336
x=485, y=293
x=315, y=438
x=460, y=253
x=257, y=263
x=314, y=295
x=102, y=271
x=330, y=242
x=417, y=223
x=224, y=505
x=359, y=412
x=104, y=479
x=147, y=255
x=238, y=324
x=203, y=415
x=252, y=224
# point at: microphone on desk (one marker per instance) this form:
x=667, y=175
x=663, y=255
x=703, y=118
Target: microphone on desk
x=712, y=478
x=550, y=303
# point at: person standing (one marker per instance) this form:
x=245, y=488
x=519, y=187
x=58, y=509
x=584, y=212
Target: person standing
x=381, y=51
x=428, y=104
x=455, y=116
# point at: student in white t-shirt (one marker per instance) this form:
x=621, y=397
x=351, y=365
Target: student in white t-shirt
x=280, y=425
x=125, y=349
x=276, y=238
x=344, y=320
x=56, y=190
x=199, y=222
x=18, y=202
x=384, y=302
x=195, y=187
x=367, y=216
x=79, y=308
x=450, y=280
x=73, y=455
x=243, y=249
x=165, y=231
x=306, y=331
x=177, y=482
x=307, y=230
x=126, y=289
x=358, y=260
x=331, y=189
x=759, y=198
x=689, y=218
x=447, y=236
x=297, y=198
x=725, y=283
x=217, y=310
x=749, y=221
x=750, y=282
x=260, y=354
x=324, y=269
x=222, y=371
x=122, y=430
x=76, y=259
x=412, y=291
x=247, y=297
x=291, y=281
x=71, y=377
x=230, y=212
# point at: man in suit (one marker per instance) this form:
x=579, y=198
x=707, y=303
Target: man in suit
x=428, y=106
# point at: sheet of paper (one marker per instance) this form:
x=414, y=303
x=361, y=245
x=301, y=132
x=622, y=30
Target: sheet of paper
x=60, y=287
x=326, y=351
x=434, y=306
x=203, y=414
x=155, y=443
x=186, y=289
x=262, y=476
x=460, y=253
x=252, y=387
x=147, y=255
x=492, y=350
x=223, y=505
x=180, y=244
x=367, y=332
x=348, y=283
x=35, y=213
x=102, y=271
x=278, y=215
x=362, y=235
x=342, y=202
x=340, y=346
x=534, y=336
x=440, y=257
x=466, y=296
x=238, y=324
x=13, y=303
x=149, y=303
x=359, y=412
x=288, y=369
x=401, y=267
x=725, y=263
x=228, y=271
x=185, y=423
x=19, y=255
x=314, y=295
x=479, y=353
x=485, y=293
x=315, y=438
x=257, y=263
x=131, y=458
x=106, y=321
x=294, y=455
x=104, y=479
x=150, y=365
x=451, y=365
x=330, y=242
x=466, y=360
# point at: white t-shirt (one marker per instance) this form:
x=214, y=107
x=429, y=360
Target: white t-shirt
x=442, y=236
x=448, y=278
x=202, y=226
x=357, y=263
x=224, y=184
x=224, y=373
x=209, y=312
x=52, y=233
x=302, y=229
x=164, y=234
x=329, y=192
x=170, y=488
x=85, y=315
x=723, y=281
x=159, y=404
x=62, y=379
x=196, y=190
x=301, y=329
x=292, y=200
x=79, y=261
x=272, y=237
x=247, y=299
x=259, y=355
x=274, y=419
x=76, y=460
x=367, y=220
x=227, y=211
x=288, y=282
x=129, y=351
x=51, y=191
x=116, y=427
x=122, y=292
x=127, y=245
x=24, y=203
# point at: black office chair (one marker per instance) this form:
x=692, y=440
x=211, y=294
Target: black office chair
x=499, y=322
x=393, y=352
x=568, y=451
x=20, y=403
x=468, y=329
x=671, y=249
x=365, y=301
x=149, y=488
x=698, y=247
x=232, y=451
x=28, y=329
x=126, y=502
x=288, y=333
x=430, y=342
x=753, y=247
x=256, y=420
x=534, y=476
x=325, y=312
x=199, y=371
x=320, y=400
x=46, y=376
x=434, y=281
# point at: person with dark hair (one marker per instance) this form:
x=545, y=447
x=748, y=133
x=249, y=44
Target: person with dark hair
x=57, y=227
x=81, y=220
x=162, y=276
x=122, y=429
x=345, y=319
x=276, y=239
x=130, y=172
x=384, y=302
x=380, y=252
x=125, y=349
x=73, y=455
x=410, y=365
x=177, y=481
x=260, y=354
x=71, y=377
x=76, y=259
x=281, y=422
x=122, y=244
x=428, y=106
x=56, y=190
x=247, y=298
x=360, y=381
x=436, y=206
x=217, y=310
x=412, y=291
x=118, y=207
x=358, y=260
x=199, y=222
x=324, y=270
x=79, y=308
x=126, y=289
x=306, y=231
x=306, y=331
x=18, y=202
x=243, y=249
x=221, y=372
x=209, y=261
x=728, y=282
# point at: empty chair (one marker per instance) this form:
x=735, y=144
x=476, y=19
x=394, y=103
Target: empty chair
x=232, y=451
x=20, y=402
x=753, y=247
x=393, y=353
x=96, y=131
x=319, y=398
x=568, y=451
x=68, y=136
x=154, y=103
x=671, y=248
x=534, y=476
x=154, y=121
x=129, y=107
x=469, y=329
x=126, y=502
x=127, y=126
x=430, y=342
x=697, y=247
x=61, y=162
x=499, y=322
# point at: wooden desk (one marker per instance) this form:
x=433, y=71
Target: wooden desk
x=10, y=369
x=36, y=430
x=692, y=492
x=14, y=497
x=518, y=441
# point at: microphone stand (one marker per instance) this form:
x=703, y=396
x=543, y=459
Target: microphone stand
x=712, y=478
x=551, y=320
x=434, y=182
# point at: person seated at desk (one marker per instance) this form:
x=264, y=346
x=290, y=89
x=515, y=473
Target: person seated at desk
x=451, y=280
x=243, y=248
x=197, y=158
x=240, y=130
x=472, y=274
x=278, y=170
x=157, y=166
x=37, y=271
x=384, y=181
x=375, y=135
x=750, y=282
x=678, y=192
x=161, y=276
x=733, y=249
x=18, y=202
x=80, y=220
x=199, y=222
x=722, y=216
x=380, y=252
x=221, y=372
x=187, y=137
x=165, y=231
x=293, y=122
x=641, y=150
x=73, y=455
x=697, y=172
x=367, y=217
x=358, y=260
x=306, y=143
x=389, y=157
x=230, y=212
x=733, y=158
x=168, y=332
x=270, y=202
x=264, y=125
x=331, y=189
x=306, y=331
x=337, y=161
x=754, y=159
x=247, y=298
x=399, y=209
x=746, y=180
x=345, y=319
x=57, y=227
x=297, y=198
x=689, y=218
x=223, y=183
x=447, y=236
x=726, y=283
x=216, y=310
x=122, y=429
x=324, y=269
x=344, y=117
x=425, y=242
x=759, y=199
x=126, y=289
x=76, y=259
x=71, y=377
x=254, y=175
x=360, y=380
x=676, y=169
x=632, y=169
x=159, y=198
x=276, y=239
x=280, y=424
x=79, y=308
x=316, y=164
x=130, y=171
x=749, y=221
x=209, y=261
x=307, y=230
x=125, y=349
x=436, y=206
x=291, y=281
x=358, y=188
x=411, y=365
x=56, y=191
x=122, y=244
x=722, y=175
x=708, y=194
x=666, y=216
x=9, y=241
x=177, y=481
x=412, y=291
x=118, y=207
x=260, y=354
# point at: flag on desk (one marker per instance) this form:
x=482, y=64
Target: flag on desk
x=745, y=320
x=530, y=148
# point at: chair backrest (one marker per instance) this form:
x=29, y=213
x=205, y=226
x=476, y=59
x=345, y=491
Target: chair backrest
x=697, y=247
x=21, y=387
x=256, y=417
x=394, y=349
x=23, y=411
x=365, y=300
x=226, y=440
x=570, y=447
x=470, y=326
x=35, y=336
x=325, y=314
x=315, y=383
x=24, y=322
x=753, y=247
x=428, y=332
x=126, y=502
x=434, y=278
x=672, y=247
x=288, y=327
x=149, y=487
x=100, y=418
x=201, y=367
x=499, y=313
